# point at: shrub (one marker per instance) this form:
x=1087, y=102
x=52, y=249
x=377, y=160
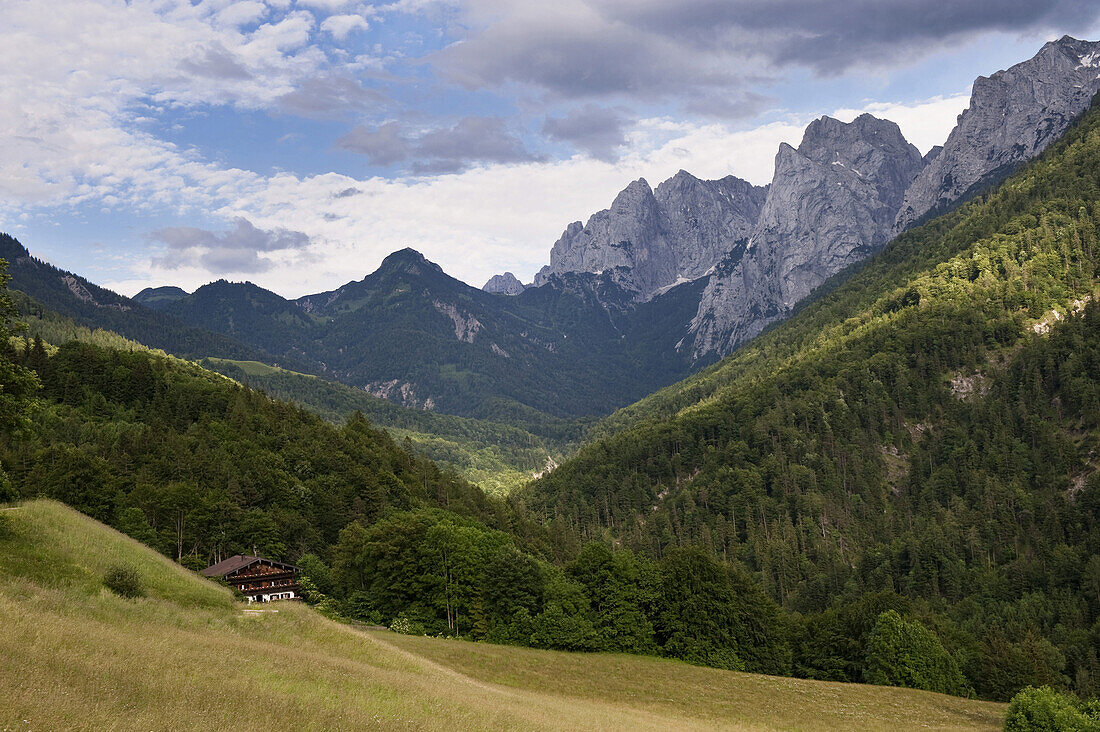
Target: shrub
x=194, y=563
x=124, y=581
x=404, y=626
x=7, y=490
x=1043, y=709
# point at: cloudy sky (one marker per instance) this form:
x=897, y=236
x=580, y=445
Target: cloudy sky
x=295, y=143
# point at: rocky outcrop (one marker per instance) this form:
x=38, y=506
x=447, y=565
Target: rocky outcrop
x=832, y=202
x=1013, y=115
x=504, y=284
x=402, y=392
x=650, y=240
x=466, y=325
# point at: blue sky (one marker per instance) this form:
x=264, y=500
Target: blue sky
x=295, y=143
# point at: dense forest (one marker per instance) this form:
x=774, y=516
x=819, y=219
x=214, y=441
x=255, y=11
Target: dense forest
x=198, y=466
x=497, y=457
x=927, y=427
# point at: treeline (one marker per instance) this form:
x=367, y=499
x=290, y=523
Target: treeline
x=928, y=428
x=429, y=571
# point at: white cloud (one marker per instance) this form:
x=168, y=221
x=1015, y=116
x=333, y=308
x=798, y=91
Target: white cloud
x=330, y=6
x=242, y=13
x=77, y=81
x=342, y=25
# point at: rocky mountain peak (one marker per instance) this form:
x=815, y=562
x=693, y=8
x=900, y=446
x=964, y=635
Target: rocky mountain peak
x=652, y=239
x=634, y=200
x=1013, y=115
x=831, y=203
x=504, y=284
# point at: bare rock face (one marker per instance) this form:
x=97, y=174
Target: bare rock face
x=706, y=218
x=650, y=240
x=1012, y=117
x=504, y=284
x=832, y=203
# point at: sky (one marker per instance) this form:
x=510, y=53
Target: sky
x=296, y=143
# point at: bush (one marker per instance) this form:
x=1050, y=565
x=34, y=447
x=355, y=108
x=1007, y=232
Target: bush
x=404, y=626
x=194, y=563
x=124, y=581
x=1043, y=709
x=7, y=490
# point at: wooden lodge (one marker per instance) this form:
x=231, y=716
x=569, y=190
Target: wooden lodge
x=261, y=580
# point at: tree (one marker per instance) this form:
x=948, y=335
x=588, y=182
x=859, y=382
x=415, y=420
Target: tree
x=905, y=653
x=1046, y=710
x=18, y=384
x=697, y=622
x=614, y=584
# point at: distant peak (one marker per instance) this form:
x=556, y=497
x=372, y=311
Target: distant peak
x=504, y=284
x=638, y=185
x=406, y=254
x=164, y=294
x=1068, y=46
x=408, y=259
x=682, y=178
x=827, y=135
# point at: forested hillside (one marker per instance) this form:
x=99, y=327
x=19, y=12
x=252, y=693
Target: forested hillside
x=408, y=332
x=497, y=457
x=95, y=307
x=926, y=428
x=200, y=467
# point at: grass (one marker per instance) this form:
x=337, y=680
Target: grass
x=75, y=656
x=258, y=368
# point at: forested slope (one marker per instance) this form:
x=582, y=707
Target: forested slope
x=928, y=427
x=95, y=307
x=200, y=467
x=497, y=457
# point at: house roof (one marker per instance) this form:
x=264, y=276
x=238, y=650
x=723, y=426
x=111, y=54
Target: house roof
x=238, y=562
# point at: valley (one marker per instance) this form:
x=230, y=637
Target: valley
x=819, y=454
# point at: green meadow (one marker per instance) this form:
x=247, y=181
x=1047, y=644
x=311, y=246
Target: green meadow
x=187, y=655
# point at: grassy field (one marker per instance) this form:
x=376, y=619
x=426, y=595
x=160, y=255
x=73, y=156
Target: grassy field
x=187, y=656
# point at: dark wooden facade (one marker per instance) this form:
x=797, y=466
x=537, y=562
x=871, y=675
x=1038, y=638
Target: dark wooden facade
x=261, y=580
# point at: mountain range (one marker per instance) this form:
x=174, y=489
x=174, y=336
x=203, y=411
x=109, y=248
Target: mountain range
x=665, y=281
